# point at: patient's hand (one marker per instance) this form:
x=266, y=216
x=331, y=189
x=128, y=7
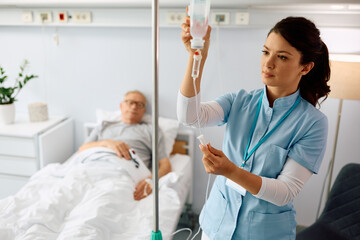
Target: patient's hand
x=142, y=190
x=121, y=148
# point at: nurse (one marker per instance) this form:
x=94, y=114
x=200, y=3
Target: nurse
x=275, y=137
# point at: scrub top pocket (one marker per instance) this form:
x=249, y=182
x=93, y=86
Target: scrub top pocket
x=214, y=213
x=274, y=161
x=272, y=226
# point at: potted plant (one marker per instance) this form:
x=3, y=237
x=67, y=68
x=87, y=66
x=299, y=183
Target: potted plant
x=8, y=93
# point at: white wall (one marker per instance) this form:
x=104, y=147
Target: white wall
x=93, y=67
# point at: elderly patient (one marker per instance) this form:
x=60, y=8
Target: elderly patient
x=130, y=132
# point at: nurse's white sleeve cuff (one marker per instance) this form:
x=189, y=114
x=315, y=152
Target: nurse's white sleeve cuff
x=286, y=187
x=210, y=113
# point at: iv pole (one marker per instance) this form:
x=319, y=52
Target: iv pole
x=156, y=233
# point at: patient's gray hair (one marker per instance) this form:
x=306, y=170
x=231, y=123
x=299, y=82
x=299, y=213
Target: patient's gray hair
x=138, y=92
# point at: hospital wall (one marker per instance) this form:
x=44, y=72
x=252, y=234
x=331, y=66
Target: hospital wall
x=93, y=67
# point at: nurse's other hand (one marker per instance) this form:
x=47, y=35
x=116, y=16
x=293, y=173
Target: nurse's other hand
x=215, y=161
x=186, y=37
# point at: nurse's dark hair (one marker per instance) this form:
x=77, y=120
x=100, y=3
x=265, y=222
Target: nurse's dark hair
x=303, y=35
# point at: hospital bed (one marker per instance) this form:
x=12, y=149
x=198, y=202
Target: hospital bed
x=85, y=198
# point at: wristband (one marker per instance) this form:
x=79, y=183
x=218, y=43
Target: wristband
x=149, y=182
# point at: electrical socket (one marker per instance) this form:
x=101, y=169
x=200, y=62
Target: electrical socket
x=62, y=17
x=81, y=17
x=242, y=18
x=175, y=17
x=44, y=17
x=221, y=18
x=27, y=16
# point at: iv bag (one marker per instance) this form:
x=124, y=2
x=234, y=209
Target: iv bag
x=199, y=18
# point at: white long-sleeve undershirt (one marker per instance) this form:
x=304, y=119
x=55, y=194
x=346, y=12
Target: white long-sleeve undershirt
x=210, y=113
x=286, y=186
x=279, y=191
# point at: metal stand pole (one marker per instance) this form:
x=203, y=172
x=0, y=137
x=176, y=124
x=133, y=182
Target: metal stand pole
x=156, y=234
x=334, y=149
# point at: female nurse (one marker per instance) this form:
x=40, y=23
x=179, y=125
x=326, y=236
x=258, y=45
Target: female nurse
x=274, y=140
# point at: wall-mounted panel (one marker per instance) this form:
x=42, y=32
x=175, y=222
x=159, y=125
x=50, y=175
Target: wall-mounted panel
x=162, y=3
x=170, y=17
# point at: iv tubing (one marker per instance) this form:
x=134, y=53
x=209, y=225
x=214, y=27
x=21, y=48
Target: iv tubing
x=197, y=106
x=206, y=197
x=195, y=75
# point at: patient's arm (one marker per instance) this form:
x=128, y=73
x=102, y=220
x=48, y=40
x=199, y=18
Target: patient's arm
x=164, y=167
x=120, y=148
x=143, y=188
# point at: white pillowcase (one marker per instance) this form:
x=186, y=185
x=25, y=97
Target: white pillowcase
x=168, y=126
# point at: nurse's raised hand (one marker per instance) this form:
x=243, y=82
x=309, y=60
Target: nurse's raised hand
x=215, y=161
x=186, y=37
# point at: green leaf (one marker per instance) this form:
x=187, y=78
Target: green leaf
x=3, y=78
x=8, y=94
x=2, y=90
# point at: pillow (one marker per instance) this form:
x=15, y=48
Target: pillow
x=168, y=126
x=103, y=115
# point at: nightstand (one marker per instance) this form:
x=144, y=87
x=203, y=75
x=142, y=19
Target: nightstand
x=25, y=147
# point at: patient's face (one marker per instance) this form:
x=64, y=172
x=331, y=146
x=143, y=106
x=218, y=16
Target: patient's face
x=133, y=108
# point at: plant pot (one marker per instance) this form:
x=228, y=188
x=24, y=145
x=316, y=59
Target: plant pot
x=7, y=113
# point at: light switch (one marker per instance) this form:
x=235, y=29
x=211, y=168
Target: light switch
x=27, y=16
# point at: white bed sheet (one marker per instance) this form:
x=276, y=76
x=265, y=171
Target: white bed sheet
x=92, y=200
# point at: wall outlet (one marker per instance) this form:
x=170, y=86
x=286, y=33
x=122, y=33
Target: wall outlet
x=242, y=18
x=27, y=16
x=81, y=17
x=62, y=17
x=175, y=17
x=44, y=17
x=221, y=18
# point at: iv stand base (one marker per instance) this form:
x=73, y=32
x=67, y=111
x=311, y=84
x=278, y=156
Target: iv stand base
x=156, y=235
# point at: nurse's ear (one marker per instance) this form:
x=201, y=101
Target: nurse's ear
x=306, y=68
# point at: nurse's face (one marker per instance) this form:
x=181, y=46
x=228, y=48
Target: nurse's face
x=280, y=65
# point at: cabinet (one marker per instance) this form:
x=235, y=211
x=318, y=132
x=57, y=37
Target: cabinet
x=25, y=147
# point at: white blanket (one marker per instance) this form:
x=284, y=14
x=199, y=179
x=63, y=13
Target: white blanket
x=89, y=197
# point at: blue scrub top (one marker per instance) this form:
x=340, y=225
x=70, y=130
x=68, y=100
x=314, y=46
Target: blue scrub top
x=302, y=137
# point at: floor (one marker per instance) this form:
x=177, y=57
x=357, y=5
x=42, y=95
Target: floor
x=184, y=235
x=188, y=220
